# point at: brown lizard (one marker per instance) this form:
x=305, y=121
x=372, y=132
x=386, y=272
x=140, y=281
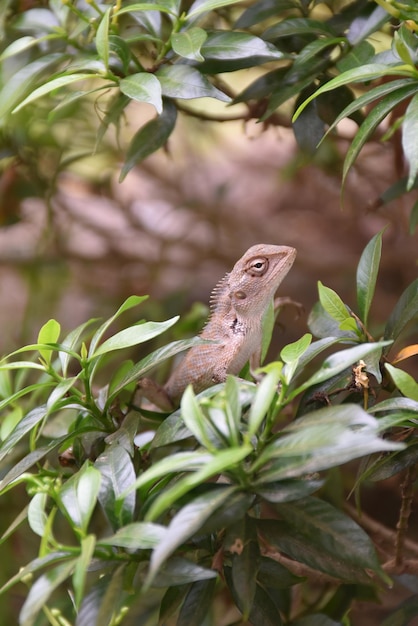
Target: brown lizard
x=238, y=305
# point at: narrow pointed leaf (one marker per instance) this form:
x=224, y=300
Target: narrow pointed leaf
x=367, y=270
x=134, y=335
x=409, y=139
x=143, y=87
x=406, y=309
x=186, y=82
x=406, y=384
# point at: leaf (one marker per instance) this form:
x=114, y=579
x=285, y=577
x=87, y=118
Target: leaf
x=188, y=43
x=133, y=336
x=88, y=545
x=361, y=74
x=194, y=419
x=37, y=517
x=23, y=80
x=245, y=563
x=262, y=10
x=23, y=427
x=405, y=353
x=409, y=144
x=79, y=494
x=332, y=303
x=185, y=524
x=102, y=37
x=103, y=600
x=147, y=6
x=49, y=333
x=266, y=391
x=315, y=533
x=288, y=490
x=197, y=603
x=363, y=26
x=204, y=6
x=129, y=303
x=223, y=460
x=186, y=82
x=406, y=309
x=143, y=87
x=227, y=45
x=70, y=344
x=367, y=270
x=136, y=536
x=274, y=575
x=406, y=384
x=309, y=128
x=180, y=571
x=42, y=589
x=298, y=26
x=59, y=391
x=264, y=611
x=150, y=137
x=117, y=476
x=51, y=85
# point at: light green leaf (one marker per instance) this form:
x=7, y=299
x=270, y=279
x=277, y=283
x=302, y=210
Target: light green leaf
x=129, y=303
x=143, y=87
x=133, y=336
x=49, y=333
x=406, y=384
x=88, y=545
x=136, y=536
x=367, y=270
x=147, y=6
x=79, y=496
x=102, y=37
x=194, y=419
x=186, y=82
x=24, y=426
x=291, y=354
x=117, y=476
x=265, y=393
x=37, y=518
x=188, y=43
x=204, y=6
x=332, y=303
x=150, y=138
x=51, y=85
x=70, y=343
x=222, y=461
x=59, y=392
x=410, y=139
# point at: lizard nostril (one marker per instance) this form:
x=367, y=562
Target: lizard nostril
x=241, y=295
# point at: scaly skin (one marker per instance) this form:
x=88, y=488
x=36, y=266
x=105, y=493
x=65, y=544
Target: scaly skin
x=238, y=305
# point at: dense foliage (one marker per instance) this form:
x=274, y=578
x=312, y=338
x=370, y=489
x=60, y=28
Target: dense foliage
x=78, y=65
x=150, y=518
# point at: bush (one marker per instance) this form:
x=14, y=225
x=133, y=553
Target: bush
x=211, y=514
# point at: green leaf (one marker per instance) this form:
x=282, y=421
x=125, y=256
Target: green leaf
x=322, y=325
x=71, y=343
x=187, y=523
x=223, y=460
x=266, y=391
x=49, y=333
x=79, y=495
x=129, y=303
x=227, y=45
x=204, y=6
x=103, y=600
x=361, y=74
x=363, y=26
x=88, y=545
x=409, y=139
x=23, y=427
x=332, y=303
x=188, y=43
x=194, y=419
x=59, y=391
x=262, y=10
x=136, y=536
x=180, y=571
x=298, y=26
x=102, y=37
x=51, y=85
x=288, y=490
x=264, y=611
x=406, y=384
x=23, y=80
x=197, y=603
x=150, y=138
x=117, y=476
x=143, y=87
x=186, y=82
x=245, y=562
x=315, y=533
x=294, y=351
x=147, y=6
x=42, y=589
x=367, y=270
x=406, y=309
x=133, y=336
x=37, y=517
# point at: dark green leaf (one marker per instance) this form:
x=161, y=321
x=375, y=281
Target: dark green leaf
x=409, y=139
x=367, y=270
x=288, y=490
x=274, y=575
x=262, y=10
x=87, y=545
x=406, y=309
x=242, y=537
x=204, y=6
x=179, y=571
x=171, y=601
x=143, y=87
x=184, y=81
x=363, y=26
x=360, y=55
x=117, y=476
x=385, y=467
x=264, y=612
x=197, y=603
x=318, y=546
x=150, y=138
x=103, y=600
x=297, y=26
x=263, y=86
x=309, y=128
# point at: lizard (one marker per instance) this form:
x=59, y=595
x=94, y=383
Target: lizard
x=238, y=304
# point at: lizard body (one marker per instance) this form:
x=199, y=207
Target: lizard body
x=238, y=305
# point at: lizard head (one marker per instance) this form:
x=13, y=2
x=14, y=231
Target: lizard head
x=255, y=278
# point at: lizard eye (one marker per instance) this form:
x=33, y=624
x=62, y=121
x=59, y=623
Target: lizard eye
x=257, y=266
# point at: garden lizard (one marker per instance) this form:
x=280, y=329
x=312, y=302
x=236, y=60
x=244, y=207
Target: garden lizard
x=238, y=304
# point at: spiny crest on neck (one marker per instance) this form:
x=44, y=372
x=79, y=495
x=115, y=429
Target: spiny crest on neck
x=219, y=298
